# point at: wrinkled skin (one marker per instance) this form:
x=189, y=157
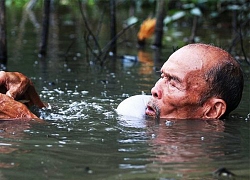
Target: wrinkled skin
x=14, y=89
x=182, y=84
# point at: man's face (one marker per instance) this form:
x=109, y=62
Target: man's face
x=178, y=92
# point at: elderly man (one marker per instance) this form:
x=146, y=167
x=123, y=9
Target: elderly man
x=197, y=81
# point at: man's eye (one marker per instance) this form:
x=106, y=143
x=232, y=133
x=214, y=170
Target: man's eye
x=172, y=83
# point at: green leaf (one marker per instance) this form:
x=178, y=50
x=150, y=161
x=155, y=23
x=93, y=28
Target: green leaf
x=233, y=7
x=131, y=20
x=174, y=17
x=196, y=11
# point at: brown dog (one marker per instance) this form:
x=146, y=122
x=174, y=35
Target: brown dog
x=14, y=89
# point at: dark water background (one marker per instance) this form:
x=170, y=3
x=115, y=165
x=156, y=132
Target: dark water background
x=82, y=136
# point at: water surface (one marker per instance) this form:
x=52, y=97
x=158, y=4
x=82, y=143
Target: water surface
x=82, y=137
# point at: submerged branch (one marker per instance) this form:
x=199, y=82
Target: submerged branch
x=239, y=38
x=242, y=46
x=87, y=27
x=45, y=28
x=88, y=47
x=108, y=46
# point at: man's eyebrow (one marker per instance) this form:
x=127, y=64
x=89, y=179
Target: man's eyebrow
x=174, y=77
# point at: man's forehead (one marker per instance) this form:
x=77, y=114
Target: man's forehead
x=183, y=61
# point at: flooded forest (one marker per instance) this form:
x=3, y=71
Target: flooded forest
x=84, y=57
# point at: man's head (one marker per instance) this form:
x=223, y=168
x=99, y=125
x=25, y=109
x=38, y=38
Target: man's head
x=197, y=81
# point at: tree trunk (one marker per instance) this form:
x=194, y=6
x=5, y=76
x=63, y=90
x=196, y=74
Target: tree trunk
x=113, y=27
x=194, y=29
x=159, y=23
x=45, y=28
x=3, y=41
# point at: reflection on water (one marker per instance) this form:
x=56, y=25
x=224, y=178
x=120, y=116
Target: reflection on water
x=11, y=132
x=182, y=140
x=187, y=143
x=87, y=138
x=83, y=137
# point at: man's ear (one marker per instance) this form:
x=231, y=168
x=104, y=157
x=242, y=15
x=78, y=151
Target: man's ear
x=215, y=108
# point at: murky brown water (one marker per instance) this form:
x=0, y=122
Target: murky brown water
x=83, y=138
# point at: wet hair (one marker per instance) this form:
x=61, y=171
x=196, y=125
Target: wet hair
x=225, y=81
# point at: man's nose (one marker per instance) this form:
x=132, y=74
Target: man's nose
x=156, y=91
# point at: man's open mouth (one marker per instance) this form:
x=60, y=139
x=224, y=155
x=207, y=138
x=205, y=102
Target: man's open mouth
x=150, y=111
